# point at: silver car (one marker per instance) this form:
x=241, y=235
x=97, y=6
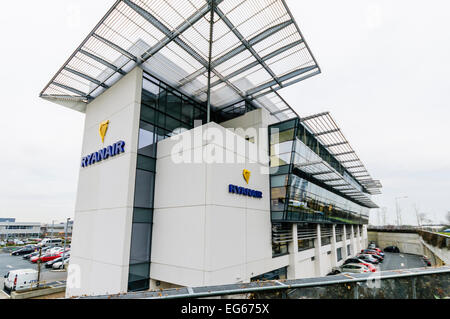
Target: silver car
x=354, y=268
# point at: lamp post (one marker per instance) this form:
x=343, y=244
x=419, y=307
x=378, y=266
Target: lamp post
x=65, y=239
x=399, y=216
x=53, y=225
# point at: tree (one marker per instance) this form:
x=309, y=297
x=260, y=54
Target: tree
x=423, y=219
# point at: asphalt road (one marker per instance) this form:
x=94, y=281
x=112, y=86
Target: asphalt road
x=8, y=263
x=401, y=261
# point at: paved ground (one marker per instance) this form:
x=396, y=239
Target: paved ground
x=8, y=263
x=401, y=261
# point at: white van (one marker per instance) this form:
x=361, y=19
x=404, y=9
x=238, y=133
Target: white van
x=51, y=242
x=17, y=280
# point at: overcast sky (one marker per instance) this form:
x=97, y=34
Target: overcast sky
x=384, y=78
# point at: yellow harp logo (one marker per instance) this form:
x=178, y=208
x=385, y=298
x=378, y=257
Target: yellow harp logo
x=103, y=129
x=246, y=174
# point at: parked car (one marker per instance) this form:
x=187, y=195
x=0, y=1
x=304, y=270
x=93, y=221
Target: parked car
x=378, y=250
x=368, y=258
x=426, y=261
x=29, y=256
x=362, y=262
x=51, y=242
x=44, y=250
x=24, y=250
x=18, y=242
x=21, y=279
x=374, y=255
x=372, y=252
x=392, y=249
x=61, y=264
x=354, y=268
x=45, y=258
x=372, y=245
x=49, y=264
x=2, y=243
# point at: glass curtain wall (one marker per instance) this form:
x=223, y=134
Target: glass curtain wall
x=164, y=113
x=297, y=196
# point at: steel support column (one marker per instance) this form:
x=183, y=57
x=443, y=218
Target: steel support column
x=211, y=40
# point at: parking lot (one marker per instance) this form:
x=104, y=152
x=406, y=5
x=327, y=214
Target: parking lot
x=394, y=261
x=8, y=263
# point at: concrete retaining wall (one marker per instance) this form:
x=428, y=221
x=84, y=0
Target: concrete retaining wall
x=409, y=243
x=36, y=293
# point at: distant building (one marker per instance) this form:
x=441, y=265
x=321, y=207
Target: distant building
x=7, y=220
x=11, y=230
x=56, y=230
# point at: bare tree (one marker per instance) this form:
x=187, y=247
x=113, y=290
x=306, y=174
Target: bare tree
x=423, y=219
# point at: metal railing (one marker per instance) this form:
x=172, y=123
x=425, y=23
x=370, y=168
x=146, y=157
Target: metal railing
x=411, y=283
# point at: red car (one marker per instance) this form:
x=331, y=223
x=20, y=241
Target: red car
x=45, y=258
x=370, y=266
x=377, y=249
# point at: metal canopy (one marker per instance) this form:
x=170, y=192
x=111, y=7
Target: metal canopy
x=330, y=136
x=323, y=172
x=256, y=50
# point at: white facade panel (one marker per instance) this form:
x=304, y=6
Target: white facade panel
x=235, y=241
x=104, y=206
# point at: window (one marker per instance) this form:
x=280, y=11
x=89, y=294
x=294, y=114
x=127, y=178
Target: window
x=305, y=244
x=279, y=274
x=163, y=112
x=279, y=249
x=339, y=254
x=143, y=196
x=326, y=241
x=349, y=251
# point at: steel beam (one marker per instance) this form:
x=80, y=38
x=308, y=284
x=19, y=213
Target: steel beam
x=339, y=185
x=280, y=111
x=102, y=61
x=288, y=84
x=286, y=77
x=116, y=47
x=70, y=89
x=260, y=37
x=211, y=39
x=332, y=180
x=327, y=132
x=171, y=35
x=351, y=161
x=252, y=65
x=308, y=164
x=69, y=97
x=311, y=117
x=336, y=144
x=82, y=44
x=345, y=153
x=358, y=166
x=323, y=173
x=246, y=44
x=86, y=77
x=360, y=172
